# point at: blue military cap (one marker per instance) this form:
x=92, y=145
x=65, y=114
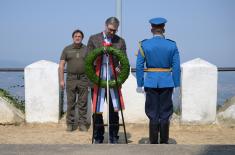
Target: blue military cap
x=157, y=21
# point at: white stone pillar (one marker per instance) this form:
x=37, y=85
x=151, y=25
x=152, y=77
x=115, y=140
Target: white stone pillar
x=41, y=92
x=199, y=91
x=134, y=102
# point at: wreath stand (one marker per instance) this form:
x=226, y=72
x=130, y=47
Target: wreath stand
x=107, y=99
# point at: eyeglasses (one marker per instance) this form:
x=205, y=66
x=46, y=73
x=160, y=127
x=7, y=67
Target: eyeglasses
x=112, y=30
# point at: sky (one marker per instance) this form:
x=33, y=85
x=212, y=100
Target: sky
x=33, y=30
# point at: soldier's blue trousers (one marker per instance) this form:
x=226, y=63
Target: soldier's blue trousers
x=158, y=104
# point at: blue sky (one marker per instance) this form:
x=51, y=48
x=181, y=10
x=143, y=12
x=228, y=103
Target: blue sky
x=32, y=30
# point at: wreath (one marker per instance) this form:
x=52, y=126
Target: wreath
x=90, y=70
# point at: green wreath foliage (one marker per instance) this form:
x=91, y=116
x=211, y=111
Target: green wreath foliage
x=90, y=70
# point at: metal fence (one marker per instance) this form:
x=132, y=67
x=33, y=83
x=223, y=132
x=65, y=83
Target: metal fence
x=133, y=70
x=220, y=69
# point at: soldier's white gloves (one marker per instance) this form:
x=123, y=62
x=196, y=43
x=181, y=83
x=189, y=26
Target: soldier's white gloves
x=140, y=90
x=178, y=89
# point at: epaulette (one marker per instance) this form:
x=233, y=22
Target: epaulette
x=143, y=40
x=140, y=47
x=171, y=40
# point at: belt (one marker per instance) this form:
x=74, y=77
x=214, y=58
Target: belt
x=78, y=76
x=158, y=69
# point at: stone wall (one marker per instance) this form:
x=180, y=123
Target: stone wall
x=8, y=113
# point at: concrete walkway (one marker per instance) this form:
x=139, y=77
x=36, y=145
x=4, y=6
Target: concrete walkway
x=119, y=149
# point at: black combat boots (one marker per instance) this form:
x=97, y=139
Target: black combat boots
x=164, y=132
x=153, y=133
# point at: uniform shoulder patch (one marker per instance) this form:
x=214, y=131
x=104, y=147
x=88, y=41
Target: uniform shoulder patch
x=171, y=40
x=69, y=47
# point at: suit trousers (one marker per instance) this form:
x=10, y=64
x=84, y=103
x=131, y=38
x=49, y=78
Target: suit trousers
x=113, y=121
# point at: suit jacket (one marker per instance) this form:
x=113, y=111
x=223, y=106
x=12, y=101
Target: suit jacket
x=159, y=53
x=96, y=41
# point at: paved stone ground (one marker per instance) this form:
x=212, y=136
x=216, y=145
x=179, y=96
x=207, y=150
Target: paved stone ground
x=136, y=134
x=119, y=149
x=52, y=139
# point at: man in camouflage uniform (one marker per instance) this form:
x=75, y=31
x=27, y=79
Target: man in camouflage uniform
x=76, y=82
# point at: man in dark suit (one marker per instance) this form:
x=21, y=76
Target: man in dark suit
x=107, y=38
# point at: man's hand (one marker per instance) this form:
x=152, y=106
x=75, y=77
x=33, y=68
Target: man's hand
x=139, y=90
x=61, y=73
x=62, y=84
x=117, y=69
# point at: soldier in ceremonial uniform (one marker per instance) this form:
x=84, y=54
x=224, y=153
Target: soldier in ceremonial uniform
x=162, y=60
x=76, y=82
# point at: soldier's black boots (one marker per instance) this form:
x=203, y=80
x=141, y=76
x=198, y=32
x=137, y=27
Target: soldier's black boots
x=164, y=132
x=153, y=133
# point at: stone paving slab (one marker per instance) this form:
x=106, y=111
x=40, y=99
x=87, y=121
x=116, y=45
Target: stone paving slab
x=118, y=149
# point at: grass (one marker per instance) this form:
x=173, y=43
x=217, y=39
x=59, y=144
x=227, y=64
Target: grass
x=19, y=104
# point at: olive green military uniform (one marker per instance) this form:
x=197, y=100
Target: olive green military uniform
x=76, y=83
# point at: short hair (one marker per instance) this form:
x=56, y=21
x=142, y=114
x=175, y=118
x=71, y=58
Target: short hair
x=158, y=28
x=77, y=31
x=112, y=20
